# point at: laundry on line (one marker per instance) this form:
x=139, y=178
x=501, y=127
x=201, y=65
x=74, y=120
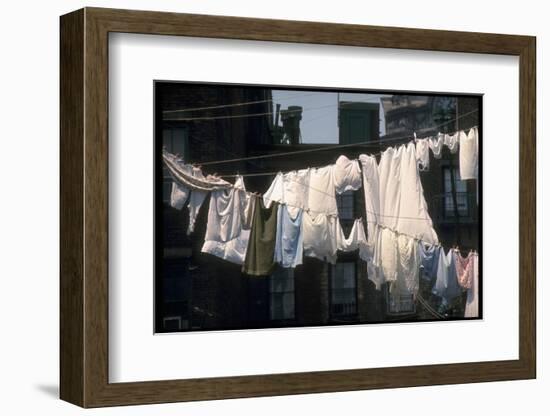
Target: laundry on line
x=298, y=216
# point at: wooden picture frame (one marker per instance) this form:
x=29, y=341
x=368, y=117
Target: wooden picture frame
x=84, y=207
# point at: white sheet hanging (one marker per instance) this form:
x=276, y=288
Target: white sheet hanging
x=408, y=266
x=371, y=187
x=386, y=256
x=229, y=214
x=402, y=204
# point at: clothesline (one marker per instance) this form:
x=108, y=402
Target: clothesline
x=242, y=230
x=368, y=212
x=322, y=192
x=334, y=147
x=326, y=193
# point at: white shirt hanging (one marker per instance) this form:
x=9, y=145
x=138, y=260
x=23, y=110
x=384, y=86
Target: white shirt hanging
x=436, y=145
x=320, y=234
x=321, y=193
x=289, y=188
x=452, y=141
x=423, y=154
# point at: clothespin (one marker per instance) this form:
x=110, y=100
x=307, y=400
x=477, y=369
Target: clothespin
x=414, y=135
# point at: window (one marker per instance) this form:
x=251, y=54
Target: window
x=172, y=323
x=400, y=303
x=345, y=205
x=461, y=194
x=174, y=140
x=281, y=294
x=343, y=290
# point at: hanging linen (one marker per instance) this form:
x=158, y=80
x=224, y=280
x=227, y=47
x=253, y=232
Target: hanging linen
x=289, y=238
x=347, y=174
x=464, y=269
x=403, y=207
x=179, y=195
x=385, y=255
x=408, y=266
x=321, y=193
x=423, y=154
x=259, y=260
x=398, y=260
x=371, y=188
x=472, y=306
x=429, y=259
x=227, y=230
x=446, y=285
x=357, y=240
x=183, y=175
x=468, y=155
x=320, y=236
x=189, y=184
x=289, y=188
x=436, y=145
x=452, y=141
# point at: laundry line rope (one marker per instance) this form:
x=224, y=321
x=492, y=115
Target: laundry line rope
x=333, y=147
x=375, y=214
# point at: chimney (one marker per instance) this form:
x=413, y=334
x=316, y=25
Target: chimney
x=291, y=118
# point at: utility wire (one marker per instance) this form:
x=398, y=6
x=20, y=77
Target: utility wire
x=209, y=118
x=244, y=103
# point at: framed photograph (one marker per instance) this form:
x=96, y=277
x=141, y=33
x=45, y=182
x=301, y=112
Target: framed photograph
x=256, y=207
